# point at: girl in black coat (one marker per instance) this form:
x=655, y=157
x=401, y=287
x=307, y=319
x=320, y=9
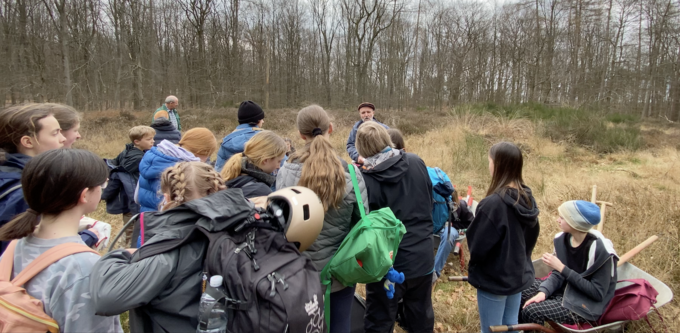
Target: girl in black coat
x=501, y=239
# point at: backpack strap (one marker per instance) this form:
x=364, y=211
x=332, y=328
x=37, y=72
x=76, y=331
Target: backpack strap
x=357, y=191
x=12, y=189
x=46, y=259
x=141, y=228
x=153, y=249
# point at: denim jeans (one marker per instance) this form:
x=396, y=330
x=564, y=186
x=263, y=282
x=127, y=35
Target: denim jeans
x=497, y=309
x=445, y=247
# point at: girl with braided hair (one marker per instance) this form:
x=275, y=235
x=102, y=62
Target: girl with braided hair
x=251, y=170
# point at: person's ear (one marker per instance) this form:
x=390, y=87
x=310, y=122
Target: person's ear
x=83, y=196
x=302, y=136
x=26, y=141
x=330, y=128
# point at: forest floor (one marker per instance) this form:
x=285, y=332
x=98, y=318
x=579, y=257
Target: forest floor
x=634, y=164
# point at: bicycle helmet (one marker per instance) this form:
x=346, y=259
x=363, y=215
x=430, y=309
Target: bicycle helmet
x=300, y=214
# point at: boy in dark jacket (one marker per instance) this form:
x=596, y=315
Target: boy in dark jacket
x=141, y=138
x=583, y=279
x=164, y=129
x=400, y=181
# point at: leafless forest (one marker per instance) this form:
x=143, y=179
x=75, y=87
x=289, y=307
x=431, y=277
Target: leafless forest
x=616, y=55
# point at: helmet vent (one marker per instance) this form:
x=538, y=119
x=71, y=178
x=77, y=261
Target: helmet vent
x=296, y=191
x=305, y=211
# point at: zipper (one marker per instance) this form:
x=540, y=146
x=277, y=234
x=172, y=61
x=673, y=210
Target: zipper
x=30, y=316
x=281, y=279
x=241, y=247
x=256, y=267
x=272, y=280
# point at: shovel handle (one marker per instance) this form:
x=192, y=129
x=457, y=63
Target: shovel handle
x=637, y=250
x=521, y=327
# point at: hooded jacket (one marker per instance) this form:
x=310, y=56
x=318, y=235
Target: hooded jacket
x=351, y=140
x=171, y=113
x=11, y=196
x=253, y=181
x=165, y=131
x=234, y=142
x=154, y=162
x=587, y=294
x=119, y=194
x=337, y=223
x=129, y=159
x=402, y=184
x=162, y=292
x=501, y=239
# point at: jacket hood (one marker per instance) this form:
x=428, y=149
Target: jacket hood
x=231, y=143
x=13, y=166
x=163, y=125
x=527, y=212
x=214, y=213
x=170, y=149
x=391, y=170
x=154, y=162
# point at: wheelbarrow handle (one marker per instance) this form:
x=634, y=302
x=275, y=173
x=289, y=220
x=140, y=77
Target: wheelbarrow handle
x=458, y=278
x=521, y=327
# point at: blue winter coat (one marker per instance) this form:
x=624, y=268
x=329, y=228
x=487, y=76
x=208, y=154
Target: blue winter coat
x=233, y=143
x=351, y=149
x=150, y=169
x=11, y=196
x=120, y=192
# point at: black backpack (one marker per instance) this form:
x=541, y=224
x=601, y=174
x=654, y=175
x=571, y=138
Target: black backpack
x=270, y=286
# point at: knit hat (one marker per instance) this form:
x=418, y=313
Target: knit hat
x=161, y=114
x=199, y=141
x=366, y=104
x=249, y=112
x=581, y=215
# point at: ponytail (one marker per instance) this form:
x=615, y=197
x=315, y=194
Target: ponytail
x=21, y=226
x=322, y=171
x=232, y=168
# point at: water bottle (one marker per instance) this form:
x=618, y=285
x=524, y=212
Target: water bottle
x=216, y=319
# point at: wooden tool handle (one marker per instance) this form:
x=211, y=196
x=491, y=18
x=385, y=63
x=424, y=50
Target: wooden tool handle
x=521, y=327
x=458, y=278
x=594, y=195
x=637, y=249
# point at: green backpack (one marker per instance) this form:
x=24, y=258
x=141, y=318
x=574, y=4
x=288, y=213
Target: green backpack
x=368, y=251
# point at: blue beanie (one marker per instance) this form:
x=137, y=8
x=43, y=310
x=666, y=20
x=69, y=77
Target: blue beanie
x=581, y=215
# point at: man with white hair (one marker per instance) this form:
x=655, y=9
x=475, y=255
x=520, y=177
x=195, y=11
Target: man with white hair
x=170, y=106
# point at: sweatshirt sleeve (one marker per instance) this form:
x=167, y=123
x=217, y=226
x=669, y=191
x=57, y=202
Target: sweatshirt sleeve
x=73, y=309
x=119, y=285
x=597, y=286
x=553, y=283
x=482, y=237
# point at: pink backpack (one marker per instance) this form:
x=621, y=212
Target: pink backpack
x=631, y=302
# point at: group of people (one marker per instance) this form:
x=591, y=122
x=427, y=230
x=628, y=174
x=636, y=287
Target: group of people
x=45, y=190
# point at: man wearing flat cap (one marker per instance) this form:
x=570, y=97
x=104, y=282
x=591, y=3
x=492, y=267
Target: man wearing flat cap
x=170, y=107
x=366, y=111
x=250, y=119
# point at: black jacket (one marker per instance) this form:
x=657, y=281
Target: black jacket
x=402, y=183
x=250, y=186
x=587, y=294
x=119, y=194
x=501, y=238
x=165, y=131
x=129, y=159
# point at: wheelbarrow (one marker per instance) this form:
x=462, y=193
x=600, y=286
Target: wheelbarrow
x=626, y=271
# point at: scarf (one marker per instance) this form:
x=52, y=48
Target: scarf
x=255, y=172
x=385, y=154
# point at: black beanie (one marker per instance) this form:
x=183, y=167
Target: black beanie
x=249, y=112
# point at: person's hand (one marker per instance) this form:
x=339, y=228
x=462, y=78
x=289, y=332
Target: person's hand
x=132, y=251
x=540, y=297
x=552, y=261
x=259, y=201
x=360, y=160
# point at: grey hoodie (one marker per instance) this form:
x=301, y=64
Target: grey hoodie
x=337, y=222
x=587, y=294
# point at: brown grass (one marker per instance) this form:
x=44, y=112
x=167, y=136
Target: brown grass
x=643, y=185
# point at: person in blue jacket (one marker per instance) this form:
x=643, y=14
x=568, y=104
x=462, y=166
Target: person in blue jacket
x=26, y=130
x=250, y=119
x=367, y=111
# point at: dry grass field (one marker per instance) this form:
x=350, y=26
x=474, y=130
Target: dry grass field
x=643, y=182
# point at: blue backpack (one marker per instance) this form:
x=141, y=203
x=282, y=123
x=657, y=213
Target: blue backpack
x=441, y=194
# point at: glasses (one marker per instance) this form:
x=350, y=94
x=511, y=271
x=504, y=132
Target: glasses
x=106, y=183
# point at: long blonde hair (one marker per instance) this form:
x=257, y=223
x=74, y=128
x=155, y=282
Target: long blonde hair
x=262, y=146
x=322, y=171
x=186, y=181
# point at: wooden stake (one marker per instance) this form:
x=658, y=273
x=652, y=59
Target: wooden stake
x=603, y=213
x=636, y=250
x=593, y=197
